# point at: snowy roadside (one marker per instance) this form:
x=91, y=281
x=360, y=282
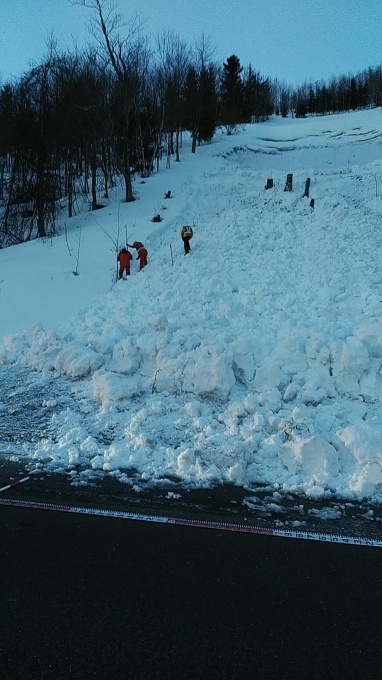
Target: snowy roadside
x=256, y=359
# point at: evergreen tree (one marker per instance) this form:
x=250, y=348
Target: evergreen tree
x=353, y=94
x=301, y=107
x=191, y=104
x=257, y=97
x=200, y=104
x=208, y=105
x=231, y=93
x=284, y=103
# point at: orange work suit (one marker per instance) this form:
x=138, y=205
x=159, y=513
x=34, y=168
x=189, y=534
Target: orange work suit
x=142, y=257
x=124, y=258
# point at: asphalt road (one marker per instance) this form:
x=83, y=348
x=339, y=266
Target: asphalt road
x=96, y=597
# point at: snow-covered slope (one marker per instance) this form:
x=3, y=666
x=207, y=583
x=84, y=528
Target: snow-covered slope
x=255, y=358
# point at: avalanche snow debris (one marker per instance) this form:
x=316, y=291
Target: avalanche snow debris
x=255, y=359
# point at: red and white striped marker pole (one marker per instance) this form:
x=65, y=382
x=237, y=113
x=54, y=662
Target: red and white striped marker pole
x=201, y=524
x=12, y=484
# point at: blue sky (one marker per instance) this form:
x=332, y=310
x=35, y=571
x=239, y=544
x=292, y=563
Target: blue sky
x=293, y=40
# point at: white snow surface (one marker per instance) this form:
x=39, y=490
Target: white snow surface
x=257, y=358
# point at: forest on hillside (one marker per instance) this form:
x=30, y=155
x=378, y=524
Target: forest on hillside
x=78, y=123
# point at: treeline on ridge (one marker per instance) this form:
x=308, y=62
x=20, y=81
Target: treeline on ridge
x=77, y=123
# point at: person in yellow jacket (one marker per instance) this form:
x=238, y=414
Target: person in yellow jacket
x=186, y=234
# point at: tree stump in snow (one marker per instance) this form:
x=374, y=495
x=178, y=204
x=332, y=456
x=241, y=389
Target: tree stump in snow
x=289, y=182
x=167, y=194
x=311, y=203
x=307, y=187
x=269, y=184
x=157, y=218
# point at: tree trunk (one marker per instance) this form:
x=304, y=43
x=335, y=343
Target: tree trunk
x=177, y=158
x=69, y=180
x=2, y=169
x=40, y=195
x=93, y=165
x=129, y=197
x=194, y=138
x=168, y=154
x=104, y=168
x=289, y=182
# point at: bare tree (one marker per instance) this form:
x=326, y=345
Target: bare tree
x=32, y=187
x=83, y=121
x=174, y=63
x=106, y=25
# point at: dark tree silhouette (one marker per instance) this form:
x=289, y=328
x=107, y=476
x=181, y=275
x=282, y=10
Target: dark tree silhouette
x=257, y=97
x=231, y=94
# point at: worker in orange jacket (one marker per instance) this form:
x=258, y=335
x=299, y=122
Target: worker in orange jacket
x=124, y=258
x=142, y=253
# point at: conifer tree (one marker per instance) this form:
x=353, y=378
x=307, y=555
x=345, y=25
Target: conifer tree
x=191, y=105
x=200, y=104
x=231, y=93
x=208, y=105
x=257, y=97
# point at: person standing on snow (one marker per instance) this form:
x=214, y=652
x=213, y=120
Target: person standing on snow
x=142, y=253
x=186, y=235
x=124, y=257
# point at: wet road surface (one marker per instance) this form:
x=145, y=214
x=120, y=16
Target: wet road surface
x=90, y=597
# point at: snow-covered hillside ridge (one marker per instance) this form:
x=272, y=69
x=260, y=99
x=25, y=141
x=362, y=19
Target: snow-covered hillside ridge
x=254, y=359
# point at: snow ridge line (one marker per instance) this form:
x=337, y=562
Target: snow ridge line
x=201, y=524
